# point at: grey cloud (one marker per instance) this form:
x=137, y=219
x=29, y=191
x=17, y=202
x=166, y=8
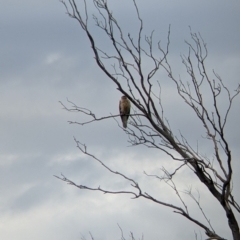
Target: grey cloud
x=46, y=58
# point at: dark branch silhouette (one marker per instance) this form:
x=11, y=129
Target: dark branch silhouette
x=148, y=125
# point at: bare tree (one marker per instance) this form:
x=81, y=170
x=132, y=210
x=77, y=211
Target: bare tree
x=148, y=125
x=122, y=235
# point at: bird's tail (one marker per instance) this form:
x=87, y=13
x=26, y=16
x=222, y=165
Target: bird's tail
x=124, y=121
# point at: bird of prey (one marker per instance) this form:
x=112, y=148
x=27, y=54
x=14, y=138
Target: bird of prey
x=124, y=109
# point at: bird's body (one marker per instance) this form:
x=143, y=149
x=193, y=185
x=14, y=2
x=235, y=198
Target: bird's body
x=124, y=109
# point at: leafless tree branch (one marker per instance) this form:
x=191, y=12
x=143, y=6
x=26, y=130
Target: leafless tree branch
x=148, y=125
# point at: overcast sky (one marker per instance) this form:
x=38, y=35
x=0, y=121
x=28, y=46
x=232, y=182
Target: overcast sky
x=46, y=58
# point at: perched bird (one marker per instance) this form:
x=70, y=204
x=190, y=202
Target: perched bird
x=124, y=109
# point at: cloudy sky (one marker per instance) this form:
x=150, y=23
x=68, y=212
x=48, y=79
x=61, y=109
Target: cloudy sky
x=46, y=58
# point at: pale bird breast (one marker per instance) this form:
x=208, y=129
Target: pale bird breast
x=125, y=106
